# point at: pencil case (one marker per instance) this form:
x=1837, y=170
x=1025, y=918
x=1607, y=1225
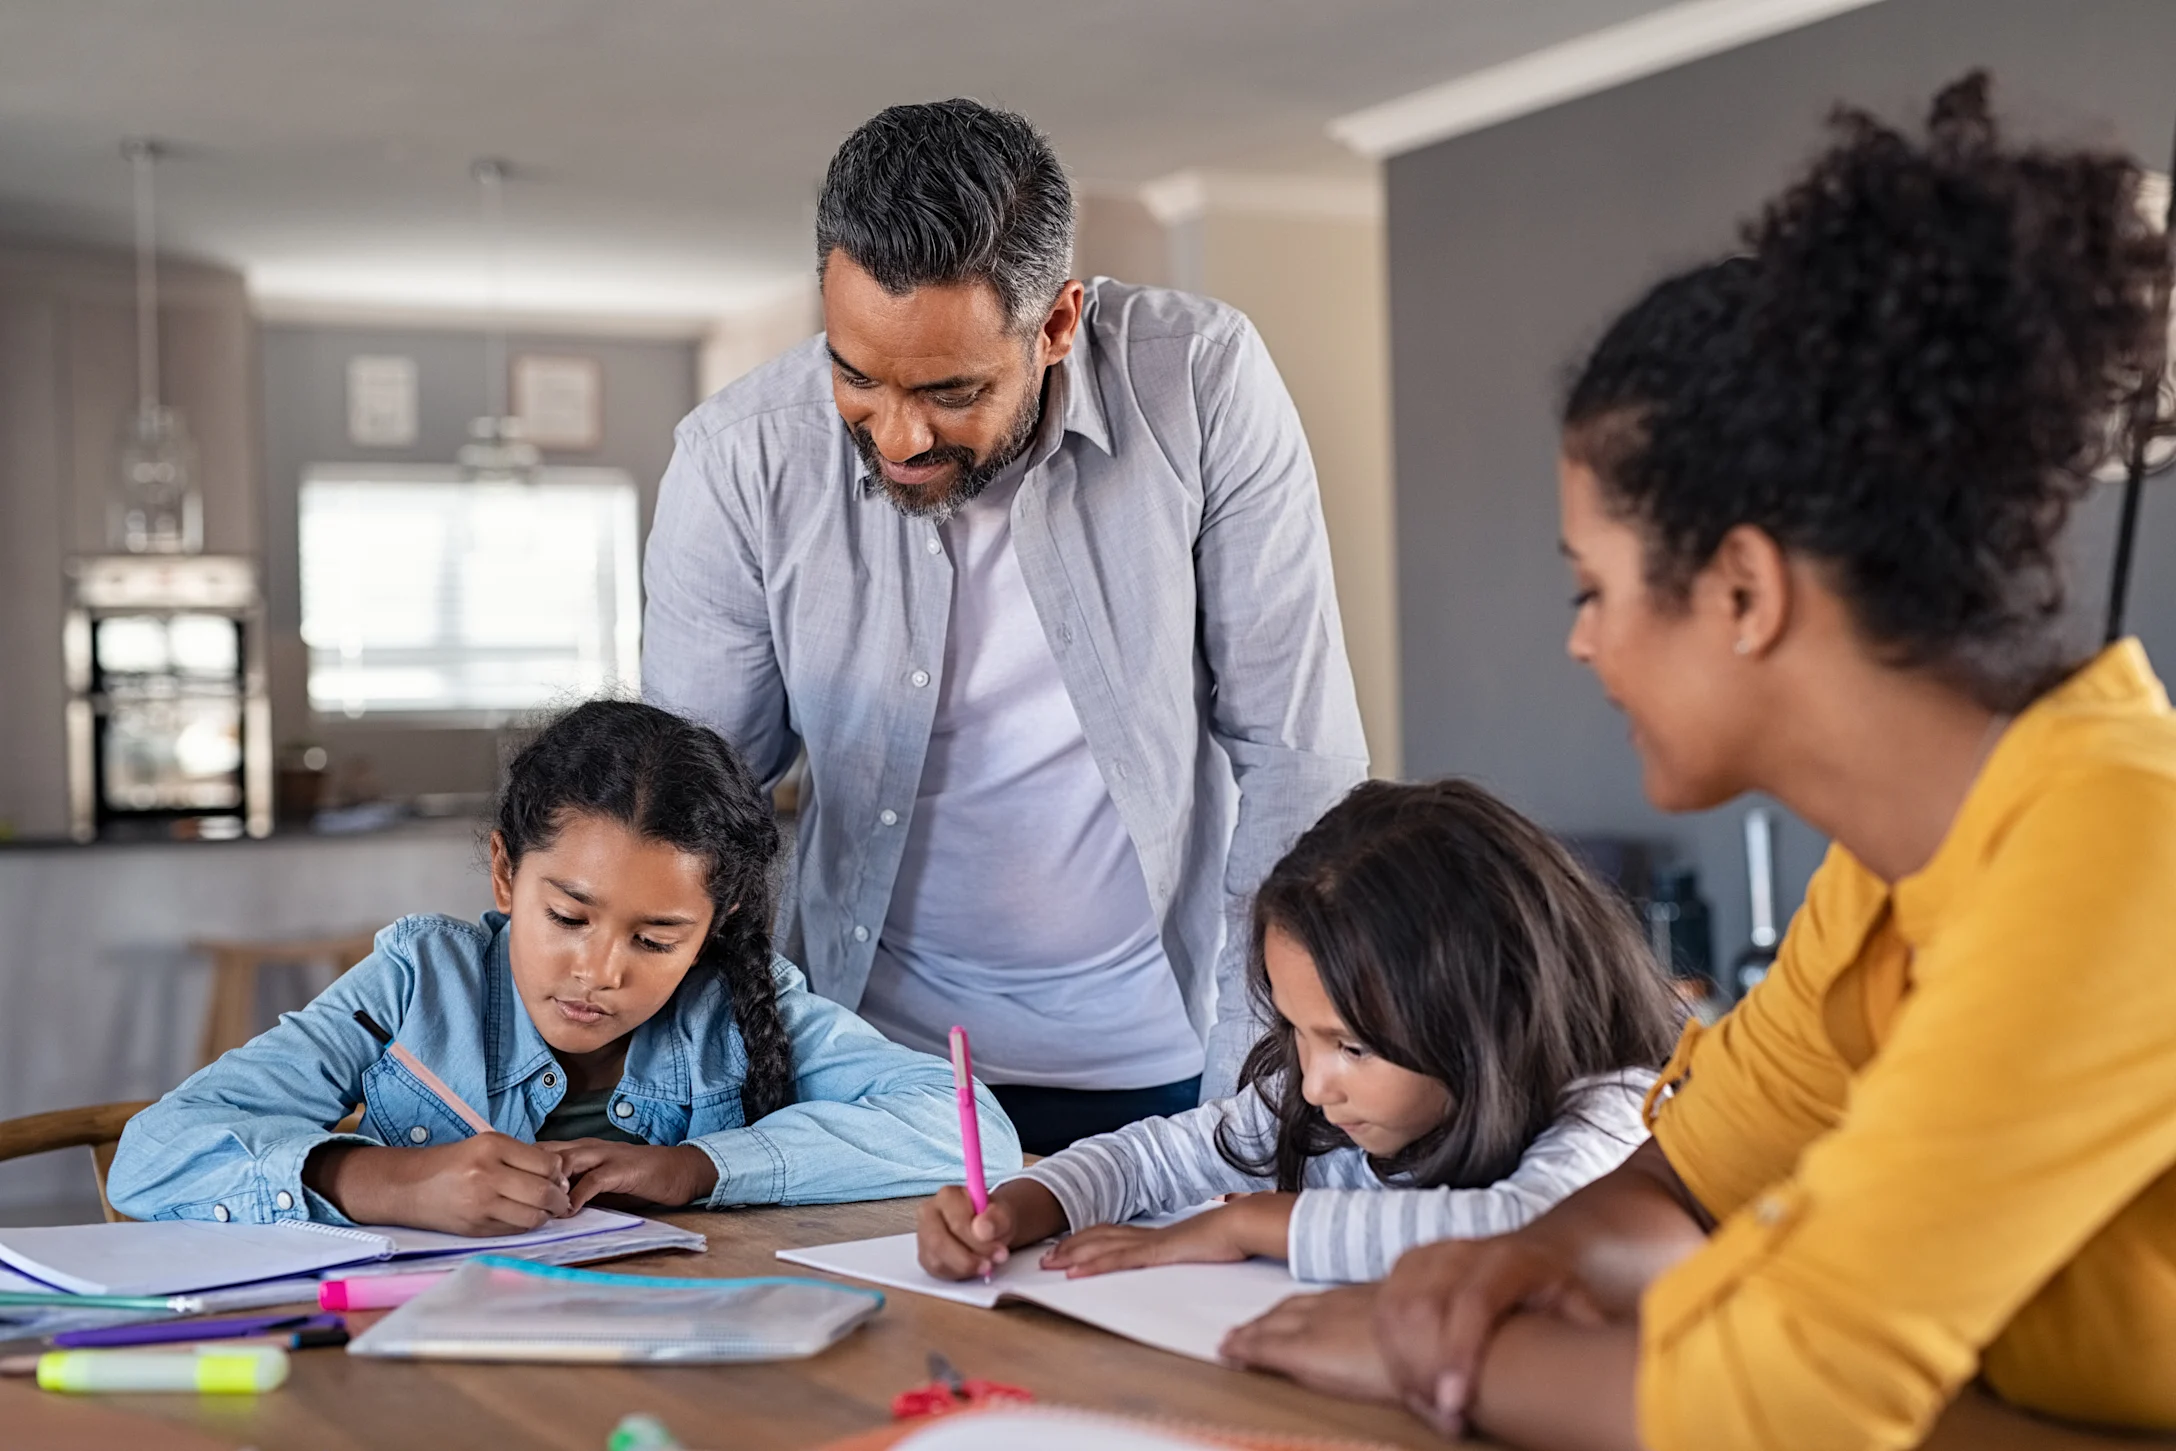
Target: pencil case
x=494, y=1308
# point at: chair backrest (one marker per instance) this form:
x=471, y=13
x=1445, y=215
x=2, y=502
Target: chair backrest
x=230, y=1015
x=97, y=1128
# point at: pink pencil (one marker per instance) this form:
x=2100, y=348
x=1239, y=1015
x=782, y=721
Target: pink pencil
x=429, y=1079
x=963, y=1084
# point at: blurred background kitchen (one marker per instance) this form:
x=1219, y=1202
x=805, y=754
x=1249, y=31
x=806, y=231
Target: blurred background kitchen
x=341, y=348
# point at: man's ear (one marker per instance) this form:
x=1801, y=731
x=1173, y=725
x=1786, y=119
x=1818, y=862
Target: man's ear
x=1060, y=325
x=502, y=872
x=1752, y=574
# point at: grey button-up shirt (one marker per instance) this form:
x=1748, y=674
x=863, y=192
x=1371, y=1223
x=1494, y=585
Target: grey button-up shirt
x=1173, y=545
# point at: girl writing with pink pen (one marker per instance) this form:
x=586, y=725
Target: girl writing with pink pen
x=1462, y=1027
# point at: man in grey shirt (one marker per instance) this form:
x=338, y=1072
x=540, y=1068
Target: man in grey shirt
x=1036, y=573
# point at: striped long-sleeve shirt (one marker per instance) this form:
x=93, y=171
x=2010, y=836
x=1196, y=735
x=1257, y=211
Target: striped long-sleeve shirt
x=1349, y=1224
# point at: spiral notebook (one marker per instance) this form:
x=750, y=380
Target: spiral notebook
x=186, y=1256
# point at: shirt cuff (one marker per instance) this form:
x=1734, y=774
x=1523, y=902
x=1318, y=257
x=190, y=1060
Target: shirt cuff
x=750, y=1168
x=281, y=1193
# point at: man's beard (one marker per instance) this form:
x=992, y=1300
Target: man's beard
x=967, y=484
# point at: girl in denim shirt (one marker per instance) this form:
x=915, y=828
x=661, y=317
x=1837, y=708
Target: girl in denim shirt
x=620, y=1020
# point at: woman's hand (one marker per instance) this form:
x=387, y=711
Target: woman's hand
x=488, y=1184
x=1326, y=1342
x=647, y=1175
x=1247, y=1225
x=1443, y=1303
x=955, y=1243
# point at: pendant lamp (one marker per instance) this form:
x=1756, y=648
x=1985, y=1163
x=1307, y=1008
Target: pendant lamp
x=156, y=507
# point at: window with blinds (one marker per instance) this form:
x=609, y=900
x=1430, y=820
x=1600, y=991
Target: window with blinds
x=426, y=594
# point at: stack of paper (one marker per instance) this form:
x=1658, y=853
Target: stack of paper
x=206, y=1266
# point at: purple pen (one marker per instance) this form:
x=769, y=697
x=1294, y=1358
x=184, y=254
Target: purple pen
x=169, y=1332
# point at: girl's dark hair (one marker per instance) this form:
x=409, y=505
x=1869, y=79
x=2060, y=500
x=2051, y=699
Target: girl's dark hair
x=1910, y=378
x=1459, y=940
x=670, y=780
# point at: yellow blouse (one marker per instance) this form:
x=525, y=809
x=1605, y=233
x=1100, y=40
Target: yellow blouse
x=1940, y=1134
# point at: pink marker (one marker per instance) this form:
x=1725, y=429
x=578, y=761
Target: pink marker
x=375, y=1292
x=963, y=1084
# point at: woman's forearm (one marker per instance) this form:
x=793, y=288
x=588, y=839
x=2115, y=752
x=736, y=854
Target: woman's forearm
x=1521, y=1396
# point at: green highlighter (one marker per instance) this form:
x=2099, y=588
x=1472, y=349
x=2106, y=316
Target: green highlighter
x=221, y=1370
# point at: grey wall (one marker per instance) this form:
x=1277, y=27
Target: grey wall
x=648, y=387
x=1511, y=248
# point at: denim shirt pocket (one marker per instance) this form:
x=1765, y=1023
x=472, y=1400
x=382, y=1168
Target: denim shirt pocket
x=401, y=1112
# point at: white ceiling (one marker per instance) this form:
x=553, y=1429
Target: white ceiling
x=666, y=153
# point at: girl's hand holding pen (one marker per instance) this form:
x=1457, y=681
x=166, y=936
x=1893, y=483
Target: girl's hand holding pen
x=488, y=1184
x=955, y=1243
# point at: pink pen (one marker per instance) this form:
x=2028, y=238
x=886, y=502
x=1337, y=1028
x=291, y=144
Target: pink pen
x=375, y=1292
x=963, y=1084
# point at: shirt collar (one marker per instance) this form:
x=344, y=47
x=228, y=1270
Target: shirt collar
x=521, y=1049
x=1074, y=381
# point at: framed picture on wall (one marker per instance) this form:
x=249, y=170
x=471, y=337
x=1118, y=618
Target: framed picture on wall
x=559, y=399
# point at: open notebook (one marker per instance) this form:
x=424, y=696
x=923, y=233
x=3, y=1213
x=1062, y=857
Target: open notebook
x=186, y=1257
x=1185, y=1309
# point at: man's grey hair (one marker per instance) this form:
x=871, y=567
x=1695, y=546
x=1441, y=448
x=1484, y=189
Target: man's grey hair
x=948, y=192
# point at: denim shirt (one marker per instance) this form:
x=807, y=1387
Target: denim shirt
x=870, y=1120
x=1173, y=545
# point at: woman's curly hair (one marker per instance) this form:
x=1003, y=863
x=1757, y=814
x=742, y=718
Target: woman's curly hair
x=670, y=780
x=1910, y=377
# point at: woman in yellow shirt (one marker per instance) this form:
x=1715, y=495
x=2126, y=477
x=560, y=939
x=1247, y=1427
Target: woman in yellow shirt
x=1812, y=497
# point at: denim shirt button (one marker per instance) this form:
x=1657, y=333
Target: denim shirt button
x=221, y=1213
x=861, y=934
x=920, y=678
x=551, y=1080
x=285, y=1200
x=419, y=1135
x=888, y=816
x=624, y=1109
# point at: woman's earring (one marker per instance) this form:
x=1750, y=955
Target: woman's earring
x=1744, y=646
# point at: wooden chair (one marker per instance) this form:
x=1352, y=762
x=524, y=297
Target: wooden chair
x=97, y=1128
x=230, y=1019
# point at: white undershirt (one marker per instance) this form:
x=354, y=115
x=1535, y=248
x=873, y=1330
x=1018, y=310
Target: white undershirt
x=1020, y=910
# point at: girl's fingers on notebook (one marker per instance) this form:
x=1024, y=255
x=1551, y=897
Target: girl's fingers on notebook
x=648, y=1173
x=1199, y=1240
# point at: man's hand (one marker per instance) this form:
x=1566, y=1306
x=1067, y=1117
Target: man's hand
x=1326, y=1342
x=619, y=1175
x=488, y=1184
x=1248, y=1225
x=955, y=1243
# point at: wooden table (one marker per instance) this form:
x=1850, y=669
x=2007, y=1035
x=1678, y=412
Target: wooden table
x=335, y=1402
